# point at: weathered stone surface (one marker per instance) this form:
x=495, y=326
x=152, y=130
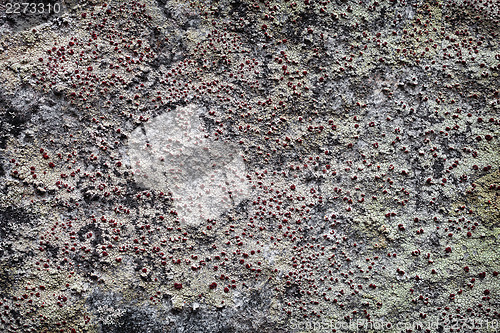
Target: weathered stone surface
x=245, y=166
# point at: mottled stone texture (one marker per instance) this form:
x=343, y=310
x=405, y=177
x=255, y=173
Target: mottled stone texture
x=307, y=166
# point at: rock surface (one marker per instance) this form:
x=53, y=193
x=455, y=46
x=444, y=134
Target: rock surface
x=249, y=166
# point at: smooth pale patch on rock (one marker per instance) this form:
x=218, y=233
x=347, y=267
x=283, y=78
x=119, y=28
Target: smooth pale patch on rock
x=172, y=154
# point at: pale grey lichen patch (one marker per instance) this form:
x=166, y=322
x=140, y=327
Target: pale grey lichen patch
x=173, y=153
